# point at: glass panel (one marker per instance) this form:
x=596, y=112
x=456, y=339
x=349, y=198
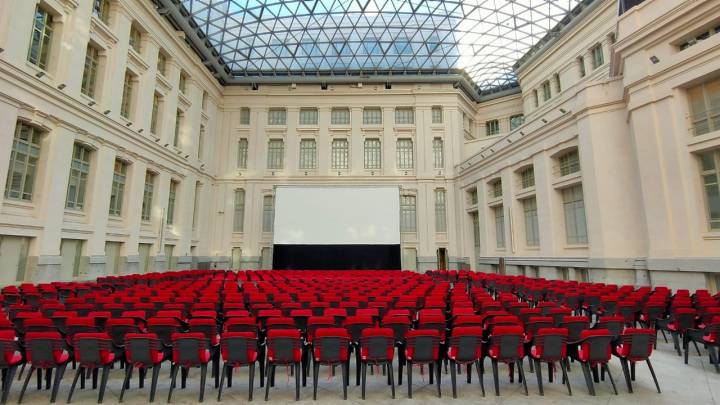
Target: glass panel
x=239, y=214
x=340, y=116
x=372, y=116
x=373, y=154
x=308, y=154
x=308, y=116
x=340, y=152
x=404, y=153
x=245, y=116
x=277, y=116
x=499, y=227
x=276, y=154
x=438, y=153
x=242, y=153
x=440, y=211
x=268, y=213
x=408, y=216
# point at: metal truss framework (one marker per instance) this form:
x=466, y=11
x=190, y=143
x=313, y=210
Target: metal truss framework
x=244, y=41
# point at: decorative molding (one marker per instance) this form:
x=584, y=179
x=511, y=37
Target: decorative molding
x=101, y=33
x=136, y=62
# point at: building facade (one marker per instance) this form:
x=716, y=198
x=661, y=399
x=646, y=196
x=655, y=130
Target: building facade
x=121, y=153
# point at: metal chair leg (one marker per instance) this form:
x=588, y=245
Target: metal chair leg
x=652, y=372
x=126, y=381
x=74, y=384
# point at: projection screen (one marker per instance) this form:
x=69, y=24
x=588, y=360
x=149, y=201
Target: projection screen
x=337, y=216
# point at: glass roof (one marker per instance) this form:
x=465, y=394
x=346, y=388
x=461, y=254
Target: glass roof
x=484, y=38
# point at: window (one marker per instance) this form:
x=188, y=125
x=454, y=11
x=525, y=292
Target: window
x=438, y=153
x=574, y=207
x=340, y=116
x=558, y=85
x=277, y=116
x=182, y=83
x=239, y=211
x=308, y=116
x=373, y=154
x=437, y=115
x=276, y=154
x=268, y=213
x=147, y=201
x=372, y=116
x=527, y=178
x=546, y=91
x=710, y=167
x=179, y=121
x=516, y=121
x=405, y=153
x=440, y=215
x=705, y=107
x=135, y=38
x=162, y=63
x=308, y=154
x=536, y=100
x=569, y=163
x=172, y=195
x=581, y=66
x=492, y=127
x=694, y=39
x=101, y=10
x=117, y=192
x=499, y=227
x=127, y=95
x=476, y=228
x=90, y=71
x=245, y=116
x=404, y=115
x=155, y=114
x=41, y=38
x=201, y=142
x=496, y=189
x=23, y=162
x=597, y=56
x=473, y=196
x=532, y=230
x=79, y=172
x=242, y=159
x=340, y=150
x=408, y=220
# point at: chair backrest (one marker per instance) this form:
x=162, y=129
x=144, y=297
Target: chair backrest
x=506, y=342
x=239, y=348
x=636, y=344
x=164, y=328
x=613, y=323
x=9, y=347
x=550, y=344
x=377, y=344
x=422, y=345
x=356, y=324
x=284, y=346
x=684, y=319
x=45, y=349
x=190, y=349
x=331, y=345
x=241, y=325
x=465, y=343
x=536, y=322
x=206, y=326
x=117, y=328
x=142, y=349
x=93, y=349
x=575, y=325
x=39, y=325
x=399, y=324
x=595, y=346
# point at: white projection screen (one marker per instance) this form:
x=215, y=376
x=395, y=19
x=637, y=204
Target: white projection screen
x=337, y=215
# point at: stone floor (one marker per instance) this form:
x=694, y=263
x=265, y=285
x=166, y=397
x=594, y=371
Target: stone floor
x=695, y=383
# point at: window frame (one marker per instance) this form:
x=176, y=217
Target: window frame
x=372, y=154
x=404, y=116
x=80, y=166
x=571, y=210
x=530, y=216
x=242, y=156
x=405, y=151
x=148, y=195
x=438, y=153
x=372, y=116
x=340, y=154
x=41, y=38
x=569, y=163
x=172, y=203
x=30, y=151
x=499, y=215
x=712, y=221
x=308, y=116
x=408, y=213
x=239, y=211
x=276, y=154
x=440, y=210
x=117, y=189
x=308, y=154
x=244, y=115
x=492, y=127
x=277, y=116
x=436, y=115
x=126, y=104
x=340, y=112
x=598, y=56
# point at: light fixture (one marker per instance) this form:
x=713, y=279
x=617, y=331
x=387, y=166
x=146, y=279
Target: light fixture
x=323, y=86
x=187, y=156
x=388, y=85
x=39, y=74
x=157, y=139
x=562, y=110
x=255, y=86
x=106, y=112
x=128, y=124
x=522, y=133
x=2, y=50
x=543, y=120
x=654, y=59
x=91, y=103
x=166, y=145
x=61, y=86
x=140, y=131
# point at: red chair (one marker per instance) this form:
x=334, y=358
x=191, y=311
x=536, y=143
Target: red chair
x=208, y=327
x=284, y=347
x=238, y=349
x=636, y=345
x=93, y=351
x=355, y=325
x=142, y=351
x=507, y=345
x=400, y=326
x=465, y=348
x=594, y=350
x=189, y=350
x=45, y=351
x=377, y=347
x=331, y=347
x=549, y=345
x=10, y=359
x=423, y=347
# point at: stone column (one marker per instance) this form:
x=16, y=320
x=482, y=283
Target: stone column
x=357, y=142
x=133, y=212
x=97, y=205
x=323, y=142
x=55, y=159
x=388, y=142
